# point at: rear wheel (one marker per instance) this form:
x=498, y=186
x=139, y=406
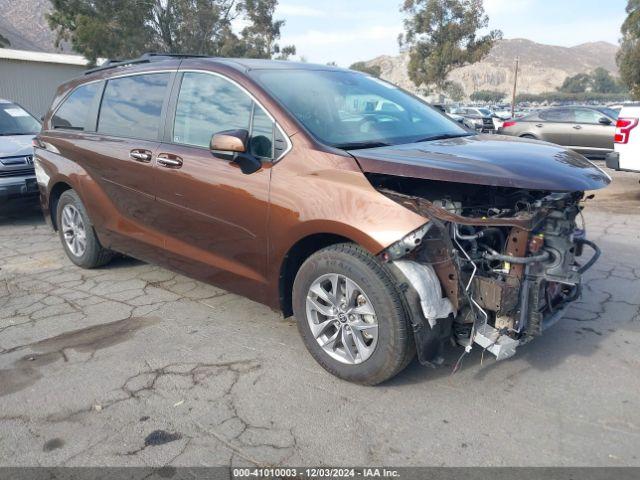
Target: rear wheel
x=76, y=233
x=350, y=315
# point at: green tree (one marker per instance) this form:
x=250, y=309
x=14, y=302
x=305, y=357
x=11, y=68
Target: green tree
x=191, y=26
x=628, y=57
x=261, y=35
x=454, y=91
x=603, y=82
x=443, y=35
x=578, y=83
x=490, y=96
x=4, y=42
x=108, y=28
x=127, y=28
x=373, y=70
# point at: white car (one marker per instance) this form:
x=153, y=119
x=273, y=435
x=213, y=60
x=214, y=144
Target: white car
x=626, y=154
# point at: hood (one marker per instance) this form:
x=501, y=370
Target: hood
x=16, y=145
x=493, y=160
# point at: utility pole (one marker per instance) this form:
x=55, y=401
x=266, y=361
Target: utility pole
x=515, y=86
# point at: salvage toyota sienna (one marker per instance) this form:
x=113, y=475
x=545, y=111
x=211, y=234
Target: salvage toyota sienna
x=386, y=228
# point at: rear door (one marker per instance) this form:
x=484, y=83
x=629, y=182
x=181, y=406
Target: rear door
x=213, y=216
x=555, y=126
x=129, y=135
x=591, y=136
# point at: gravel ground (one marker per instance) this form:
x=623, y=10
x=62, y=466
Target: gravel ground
x=132, y=364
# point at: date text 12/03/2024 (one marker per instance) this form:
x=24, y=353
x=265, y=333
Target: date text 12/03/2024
x=315, y=472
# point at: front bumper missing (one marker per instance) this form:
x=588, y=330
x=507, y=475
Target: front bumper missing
x=431, y=312
x=531, y=321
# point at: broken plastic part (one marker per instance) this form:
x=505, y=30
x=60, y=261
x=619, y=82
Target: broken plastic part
x=424, y=280
x=407, y=244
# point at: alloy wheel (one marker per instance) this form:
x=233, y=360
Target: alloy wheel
x=74, y=230
x=342, y=318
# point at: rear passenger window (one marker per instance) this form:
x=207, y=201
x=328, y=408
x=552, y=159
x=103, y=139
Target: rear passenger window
x=208, y=104
x=558, y=115
x=73, y=114
x=132, y=106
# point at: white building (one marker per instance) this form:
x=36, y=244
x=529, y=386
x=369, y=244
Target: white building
x=31, y=78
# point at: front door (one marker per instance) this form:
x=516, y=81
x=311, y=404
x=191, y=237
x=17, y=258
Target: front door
x=214, y=217
x=590, y=136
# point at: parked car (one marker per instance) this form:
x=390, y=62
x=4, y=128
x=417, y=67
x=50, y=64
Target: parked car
x=17, y=129
x=586, y=130
x=480, y=119
x=457, y=118
x=385, y=232
x=626, y=154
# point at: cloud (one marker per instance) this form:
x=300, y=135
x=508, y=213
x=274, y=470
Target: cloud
x=345, y=37
x=299, y=11
x=345, y=46
x=503, y=7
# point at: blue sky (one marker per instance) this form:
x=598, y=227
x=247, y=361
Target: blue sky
x=345, y=31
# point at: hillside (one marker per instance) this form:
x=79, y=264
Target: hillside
x=542, y=67
x=23, y=23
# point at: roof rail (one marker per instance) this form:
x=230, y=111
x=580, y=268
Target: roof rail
x=144, y=58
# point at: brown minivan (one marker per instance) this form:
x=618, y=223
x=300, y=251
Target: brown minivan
x=384, y=227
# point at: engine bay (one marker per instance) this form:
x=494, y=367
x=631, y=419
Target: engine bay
x=506, y=258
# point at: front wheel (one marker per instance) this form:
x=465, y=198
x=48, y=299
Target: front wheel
x=350, y=315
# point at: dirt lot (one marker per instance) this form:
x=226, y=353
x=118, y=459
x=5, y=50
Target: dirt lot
x=134, y=365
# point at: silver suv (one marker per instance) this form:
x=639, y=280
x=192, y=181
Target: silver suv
x=17, y=128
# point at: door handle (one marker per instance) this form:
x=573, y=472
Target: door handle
x=539, y=125
x=577, y=127
x=140, y=155
x=169, y=160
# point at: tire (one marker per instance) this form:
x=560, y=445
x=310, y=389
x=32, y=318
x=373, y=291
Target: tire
x=93, y=254
x=373, y=287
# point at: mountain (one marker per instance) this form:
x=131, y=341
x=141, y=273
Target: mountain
x=24, y=24
x=542, y=68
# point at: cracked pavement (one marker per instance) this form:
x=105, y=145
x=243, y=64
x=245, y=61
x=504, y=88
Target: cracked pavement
x=132, y=364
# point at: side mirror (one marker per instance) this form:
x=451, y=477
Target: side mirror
x=229, y=142
x=232, y=145
x=604, y=121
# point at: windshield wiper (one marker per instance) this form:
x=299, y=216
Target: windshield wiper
x=7, y=134
x=358, y=145
x=444, y=136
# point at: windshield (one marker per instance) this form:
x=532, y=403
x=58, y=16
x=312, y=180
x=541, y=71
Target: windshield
x=15, y=120
x=485, y=112
x=351, y=110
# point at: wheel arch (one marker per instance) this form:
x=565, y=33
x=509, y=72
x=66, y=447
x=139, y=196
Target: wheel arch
x=54, y=196
x=295, y=257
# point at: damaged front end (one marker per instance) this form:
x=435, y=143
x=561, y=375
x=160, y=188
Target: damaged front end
x=493, y=266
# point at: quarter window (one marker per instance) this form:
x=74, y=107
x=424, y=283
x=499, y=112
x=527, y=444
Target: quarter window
x=261, y=141
x=73, y=114
x=132, y=106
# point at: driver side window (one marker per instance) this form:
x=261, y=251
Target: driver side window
x=208, y=104
x=584, y=115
